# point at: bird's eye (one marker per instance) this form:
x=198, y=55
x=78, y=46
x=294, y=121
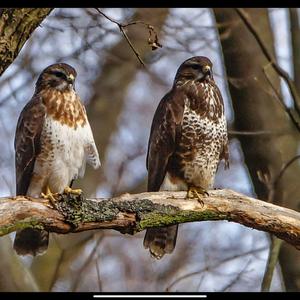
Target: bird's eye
x=195, y=67
x=59, y=74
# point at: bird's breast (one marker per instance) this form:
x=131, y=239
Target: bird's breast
x=62, y=147
x=200, y=145
x=65, y=107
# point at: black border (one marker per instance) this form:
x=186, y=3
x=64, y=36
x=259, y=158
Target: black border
x=148, y=3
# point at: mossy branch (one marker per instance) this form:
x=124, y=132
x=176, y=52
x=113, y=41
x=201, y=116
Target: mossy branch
x=131, y=213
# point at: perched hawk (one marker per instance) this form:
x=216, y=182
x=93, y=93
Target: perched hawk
x=53, y=142
x=187, y=141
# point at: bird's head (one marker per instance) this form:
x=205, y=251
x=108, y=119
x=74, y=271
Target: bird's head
x=59, y=76
x=197, y=68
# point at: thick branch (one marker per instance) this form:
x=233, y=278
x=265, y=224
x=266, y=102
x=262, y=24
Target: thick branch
x=16, y=26
x=131, y=213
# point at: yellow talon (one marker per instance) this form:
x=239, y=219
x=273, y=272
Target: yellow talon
x=49, y=195
x=196, y=192
x=68, y=190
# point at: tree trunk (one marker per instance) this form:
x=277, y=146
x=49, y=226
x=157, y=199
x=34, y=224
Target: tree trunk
x=295, y=38
x=256, y=108
x=16, y=26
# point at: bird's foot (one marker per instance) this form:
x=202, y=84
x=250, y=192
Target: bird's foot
x=50, y=196
x=196, y=192
x=68, y=190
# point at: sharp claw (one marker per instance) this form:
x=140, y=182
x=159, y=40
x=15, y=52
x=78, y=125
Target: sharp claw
x=68, y=190
x=49, y=196
x=201, y=202
x=197, y=192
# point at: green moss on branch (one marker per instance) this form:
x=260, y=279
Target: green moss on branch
x=154, y=219
x=31, y=222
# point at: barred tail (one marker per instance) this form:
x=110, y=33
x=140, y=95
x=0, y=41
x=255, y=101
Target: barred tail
x=31, y=241
x=161, y=240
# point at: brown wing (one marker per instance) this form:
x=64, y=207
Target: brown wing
x=27, y=142
x=224, y=153
x=166, y=127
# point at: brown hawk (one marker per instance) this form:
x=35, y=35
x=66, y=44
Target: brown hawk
x=188, y=139
x=53, y=142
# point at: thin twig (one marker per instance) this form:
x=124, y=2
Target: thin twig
x=270, y=58
x=237, y=278
x=284, y=168
x=281, y=101
x=276, y=243
x=121, y=28
x=98, y=273
x=271, y=263
x=217, y=264
x=85, y=265
x=57, y=269
x=254, y=133
x=61, y=260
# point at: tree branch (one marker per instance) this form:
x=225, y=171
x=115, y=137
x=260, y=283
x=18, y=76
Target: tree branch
x=281, y=72
x=271, y=264
x=131, y=213
x=16, y=26
x=152, y=40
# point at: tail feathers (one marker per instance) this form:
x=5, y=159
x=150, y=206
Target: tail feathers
x=161, y=240
x=31, y=241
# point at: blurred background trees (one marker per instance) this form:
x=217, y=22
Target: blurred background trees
x=121, y=96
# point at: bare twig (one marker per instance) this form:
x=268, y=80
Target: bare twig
x=275, y=245
x=61, y=260
x=98, y=273
x=296, y=98
x=216, y=265
x=152, y=39
x=255, y=133
x=237, y=277
x=271, y=263
x=81, y=272
x=284, y=168
x=281, y=101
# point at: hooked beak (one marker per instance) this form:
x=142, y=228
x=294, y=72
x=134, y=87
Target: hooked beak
x=71, y=79
x=207, y=71
x=204, y=74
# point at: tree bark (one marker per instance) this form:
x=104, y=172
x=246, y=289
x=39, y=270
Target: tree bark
x=16, y=27
x=256, y=108
x=132, y=213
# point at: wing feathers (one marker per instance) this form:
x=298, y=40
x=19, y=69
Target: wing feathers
x=27, y=142
x=162, y=139
x=92, y=156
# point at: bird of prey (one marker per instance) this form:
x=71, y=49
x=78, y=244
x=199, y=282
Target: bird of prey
x=53, y=142
x=187, y=141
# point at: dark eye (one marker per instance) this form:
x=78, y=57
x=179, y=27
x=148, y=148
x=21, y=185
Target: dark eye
x=195, y=67
x=59, y=74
